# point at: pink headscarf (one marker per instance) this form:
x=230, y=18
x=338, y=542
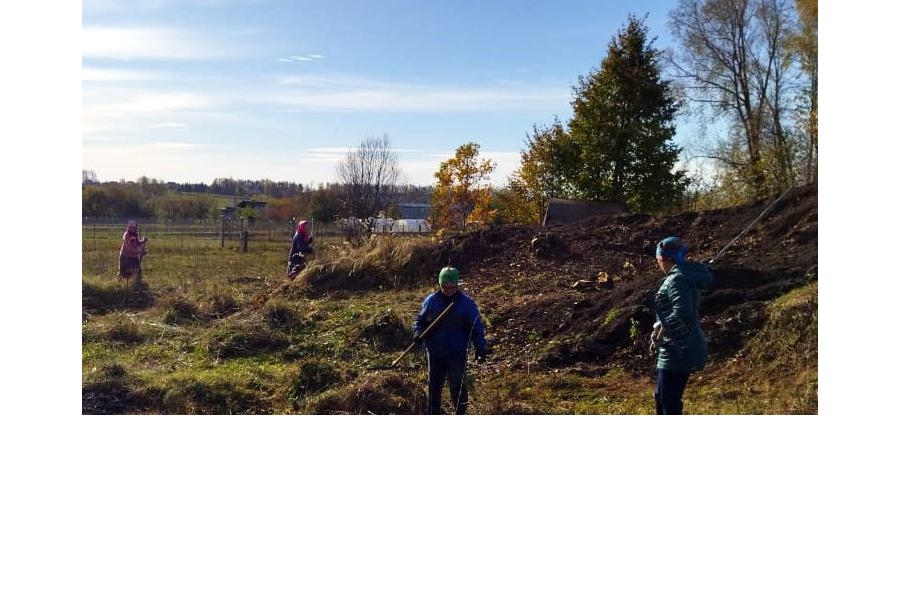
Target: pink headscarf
x=303, y=229
x=130, y=229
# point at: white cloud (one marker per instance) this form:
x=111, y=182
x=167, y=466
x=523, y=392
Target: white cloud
x=92, y=74
x=343, y=93
x=147, y=104
x=129, y=43
x=175, y=145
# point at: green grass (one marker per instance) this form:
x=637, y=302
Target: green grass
x=215, y=331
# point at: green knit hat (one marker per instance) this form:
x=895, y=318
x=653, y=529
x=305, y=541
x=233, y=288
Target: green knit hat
x=448, y=275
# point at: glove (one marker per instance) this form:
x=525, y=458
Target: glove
x=481, y=354
x=417, y=339
x=655, y=337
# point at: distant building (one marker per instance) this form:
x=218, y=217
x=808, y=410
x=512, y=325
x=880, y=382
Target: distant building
x=413, y=211
x=560, y=210
x=240, y=203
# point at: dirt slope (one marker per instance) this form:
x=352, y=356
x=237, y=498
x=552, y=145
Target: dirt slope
x=523, y=279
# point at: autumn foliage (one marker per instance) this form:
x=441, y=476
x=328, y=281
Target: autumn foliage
x=463, y=194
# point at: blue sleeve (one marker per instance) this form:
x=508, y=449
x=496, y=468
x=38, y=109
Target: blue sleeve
x=422, y=320
x=477, y=326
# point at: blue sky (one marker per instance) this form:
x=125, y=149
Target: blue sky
x=197, y=89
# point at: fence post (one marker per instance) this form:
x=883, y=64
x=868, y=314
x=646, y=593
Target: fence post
x=245, y=237
x=223, y=231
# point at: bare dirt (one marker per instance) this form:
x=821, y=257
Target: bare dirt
x=579, y=296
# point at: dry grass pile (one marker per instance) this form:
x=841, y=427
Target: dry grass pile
x=101, y=297
x=385, y=332
x=119, y=330
x=236, y=339
x=380, y=394
x=193, y=396
x=111, y=390
x=381, y=263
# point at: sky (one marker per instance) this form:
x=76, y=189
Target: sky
x=192, y=90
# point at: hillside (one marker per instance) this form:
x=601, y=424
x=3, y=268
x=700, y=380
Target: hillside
x=567, y=312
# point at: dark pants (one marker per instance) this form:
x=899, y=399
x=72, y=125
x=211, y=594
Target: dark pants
x=669, y=390
x=452, y=368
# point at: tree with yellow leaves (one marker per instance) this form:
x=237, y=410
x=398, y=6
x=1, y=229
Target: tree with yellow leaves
x=462, y=193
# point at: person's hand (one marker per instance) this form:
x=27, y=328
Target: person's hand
x=481, y=354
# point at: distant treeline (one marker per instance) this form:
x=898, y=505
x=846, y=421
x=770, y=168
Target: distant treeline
x=153, y=198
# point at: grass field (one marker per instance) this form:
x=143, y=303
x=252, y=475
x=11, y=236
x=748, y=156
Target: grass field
x=215, y=331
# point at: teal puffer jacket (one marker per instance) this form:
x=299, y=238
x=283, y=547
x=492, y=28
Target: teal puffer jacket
x=683, y=347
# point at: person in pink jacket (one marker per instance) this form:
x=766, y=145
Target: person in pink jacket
x=132, y=251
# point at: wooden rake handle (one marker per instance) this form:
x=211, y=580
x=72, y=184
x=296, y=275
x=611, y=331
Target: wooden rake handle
x=425, y=333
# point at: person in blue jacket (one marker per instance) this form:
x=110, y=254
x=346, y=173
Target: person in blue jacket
x=676, y=333
x=447, y=344
x=301, y=249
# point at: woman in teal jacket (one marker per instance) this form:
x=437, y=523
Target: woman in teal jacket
x=677, y=333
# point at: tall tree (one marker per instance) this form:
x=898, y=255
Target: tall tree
x=734, y=59
x=805, y=45
x=462, y=193
x=547, y=170
x=623, y=125
x=371, y=176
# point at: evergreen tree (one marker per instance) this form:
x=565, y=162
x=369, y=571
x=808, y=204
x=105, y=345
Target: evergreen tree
x=623, y=125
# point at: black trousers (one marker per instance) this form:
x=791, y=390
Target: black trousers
x=669, y=390
x=441, y=369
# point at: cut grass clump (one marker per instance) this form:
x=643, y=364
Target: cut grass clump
x=121, y=330
x=101, y=297
x=210, y=397
x=218, y=303
x=283, y=316
x=385, y=332
x=381, y=394
x=314, y=378
x=109, y=390
x=180, y=310
x=234, y=340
